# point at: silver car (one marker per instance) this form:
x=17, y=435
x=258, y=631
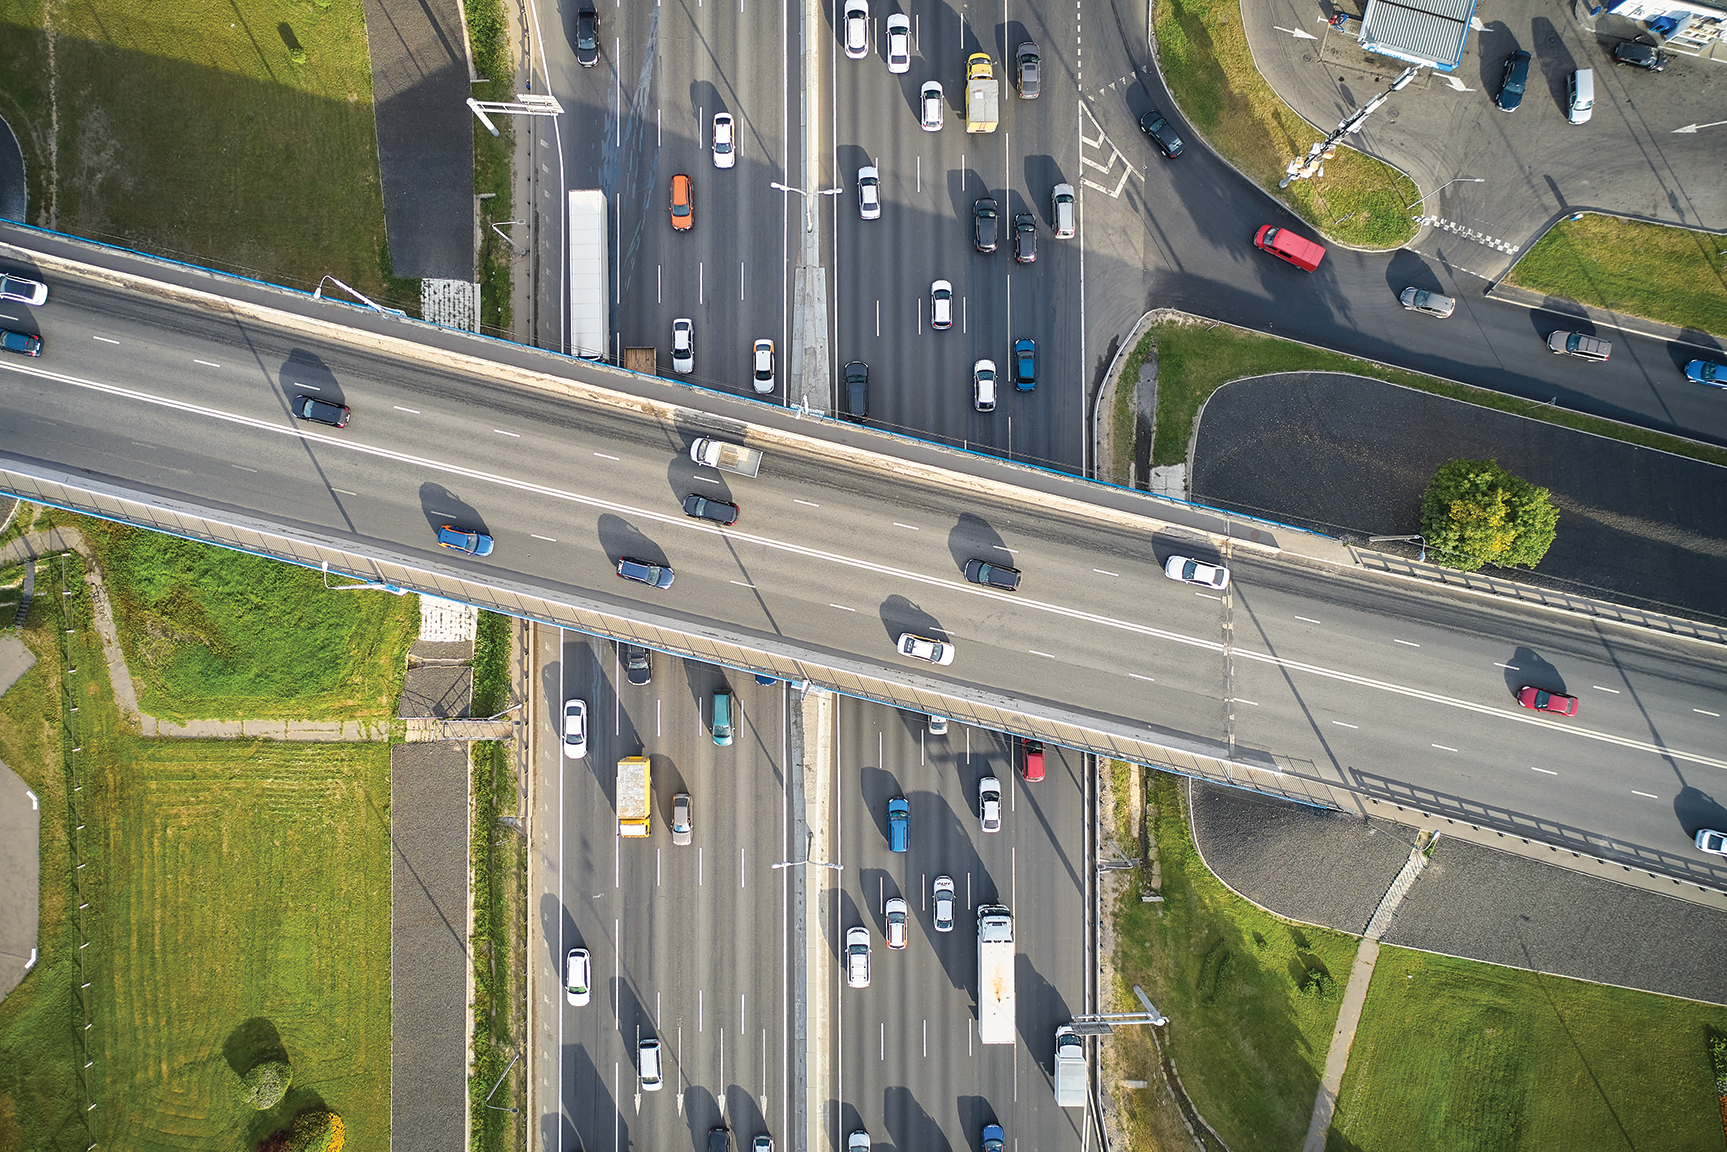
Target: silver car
x=18, y=290
x=857, y=957
x=725, y=147
x=894, y=911
x=942, y=890
x=683, y=345
x=575, y=729
x=930, y=103
x=648, y=1061
x=989, y=803
x=869, y=193
x=1191, y=571
x=1432, y=303
x=682, y=824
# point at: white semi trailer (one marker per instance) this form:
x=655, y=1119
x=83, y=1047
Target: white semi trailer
x=590, y=261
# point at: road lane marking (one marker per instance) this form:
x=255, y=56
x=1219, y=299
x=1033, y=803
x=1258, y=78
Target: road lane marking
x=344, y=492
x=104, y=340
x=805, y=503
x=1649, y=795
x=512, y=435
x=1101, y=572
x=1342, y=724
x=308, y=387
x=1307, y=620
x=409, y=411
x=604, y=456
x=1507, y=667
x=242, y=468
x=547, y=539
x=741, y=584
x=913, y=527
x=1406, y=643
x=1544, y=771
x=1035, y=652
x=1249, y=703
x=1599, y=688
x=1706, y=712
x=1442, y=747
x=207, y=363
x=842, y=607
x=1137, y=676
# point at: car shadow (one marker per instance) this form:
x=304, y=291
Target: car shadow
x=899, y=615
x=973, y=538
x=442, y=506
x=1525, y=667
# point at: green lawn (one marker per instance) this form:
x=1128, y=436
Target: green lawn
x=1210, y=71
x=214, y=634
x=1248, y=1043
x=1672, y=275
x=238, y=903
x=1452, y=1054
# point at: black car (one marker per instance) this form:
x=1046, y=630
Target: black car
x=1640, y=55
x=857, y=391
x=1025, y=238
x=716, y=510
x=22, y=343
x=321, y=411
x=645, y=572
x=1025, y=365
x=638, y=664
x=587, y=35
x=984, y=219
x=1155, y=126
x=992, y=575
x=1516, y=76
x=719, y=1140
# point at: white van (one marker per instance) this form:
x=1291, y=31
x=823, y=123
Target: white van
x=1581, y=91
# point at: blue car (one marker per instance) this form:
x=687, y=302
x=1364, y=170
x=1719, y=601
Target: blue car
x=898, y=824
x=1516, y=78
x=23, y=343
x=993, y=1138
x=1025, y=365
x=473, y=543
x=1707, y=372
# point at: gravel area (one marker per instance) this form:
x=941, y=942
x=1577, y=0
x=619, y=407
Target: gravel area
x=1354, y=457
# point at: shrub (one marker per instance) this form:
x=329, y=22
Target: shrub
x=1476, y=513
x=266, y=1084
x=310, y=1132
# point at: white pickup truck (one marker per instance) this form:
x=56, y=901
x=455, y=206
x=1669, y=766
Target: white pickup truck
x=726, y=457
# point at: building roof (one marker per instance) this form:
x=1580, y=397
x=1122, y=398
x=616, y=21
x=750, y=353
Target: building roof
x=1427, y=32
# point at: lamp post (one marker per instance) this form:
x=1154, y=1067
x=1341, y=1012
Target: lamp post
x=809, y=206
x=1421, y=559
x=1447, y=184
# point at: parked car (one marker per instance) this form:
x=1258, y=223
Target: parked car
x=1516, y=76
x=857, y=391
x=989, y=804
x=992, y=575
x=857, y=29
x=1191, y=571
x=898, y=43
x=762, y=355
x=725, y=144
x=941, y=901
x=1025, y=70
x=321, y=411
x=473, y=543
x=1543, y=701
x=1159, y=131
x=857, y=963
x=683, y=821
x=1432, y=303
x=1640, y=55
x=587, y=34
x=703, y=508
x=930, y=102
x=923, y=648
x=1707, y=372
x=638, y=664
x=645, y=572
x=20, y=290
x=23, y=343
x=1025, y=364
x=683, y=345
x=985, y=219
x=869, y=193
x=578, y=977
x=575, y=729
x=983, y=385
x=894, y=912
x=1031, y=766
x=941, y=305
x=1025, y=238
x=683, y=203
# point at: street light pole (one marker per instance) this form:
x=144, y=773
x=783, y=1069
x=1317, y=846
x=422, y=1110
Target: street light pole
x=1421, y=559
x=809, y=205
x=1447, y=184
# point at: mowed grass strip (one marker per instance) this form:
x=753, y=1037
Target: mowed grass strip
x=1672, y=275
x=1452, y=1054
x=211, y=634
x=245, y=909
x=1209, y=68
x=1248, y=1044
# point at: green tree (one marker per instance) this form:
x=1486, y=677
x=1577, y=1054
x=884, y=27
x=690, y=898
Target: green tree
x=1476, y=513
x=266, y=1084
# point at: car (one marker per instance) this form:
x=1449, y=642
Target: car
x=645, y=572
x=1161, y=133
x=1541, y=700
x=983, y=385
x=321, y=411
x=1579, y=344
x=942, y=903
x=894, y=911
x=587, y=35
x=682, y=819
x=473, y=543
x=23, y=343
x=762, y=1143
x=989, y=804
x=1516, y=76
x=1025, y=364
x=648, y=1065
x=719, y=1140
x=857, y=29
x=762, y=356
x=1640, y=55
x=725, y=143
x=1432, y=303
x=923, y=648
x=683, y=203
x=992, y=575
x=858, y=1141
x=857, y=959
x=857, y=391
x=1031, y=763
x=1707, y=372
x=941, y=305
x=938, y=725
x=985, y=219
x=703, y=508
x=18, y=290
x=898, y=43
x=1061, y=211
x=1025, y=70
x=869, y=193
x=683, y=345
x=898, y=824
x=994, y=1139
x=575, y=729
x=638, y=664
x=1711, y=841
x=930, y=105
x=1025, y=238
x=1191, y=571
x=578, y=976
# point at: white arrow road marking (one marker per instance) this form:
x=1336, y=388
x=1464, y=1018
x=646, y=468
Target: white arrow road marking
x=1458, y=85
x=1688, y=129
x=1298, y=33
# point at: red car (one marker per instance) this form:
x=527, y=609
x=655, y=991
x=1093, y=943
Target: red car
x=1542, y=701
x=1032, y=769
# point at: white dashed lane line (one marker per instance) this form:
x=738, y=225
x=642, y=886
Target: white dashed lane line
x=1543, y=771
x=1307, y=620
x=1405, y=643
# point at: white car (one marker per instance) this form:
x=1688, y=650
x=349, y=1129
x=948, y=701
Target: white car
x=18, y=290
x=989, y=803
x=575, y=729
x=683, y=822
x=858, y=1141
x=578, y=970
x=923, y=648
x=725, y=147
x=764, y=366
x=857, y=957
x=683, y=345
x=1711, y=841
x=1191, y=571
x=938, y=725
x=983, y=385
x=941, y=305
x=869, y=193
x=895, y=912
x=653, y=1076
x=857, y=29
x=942, y=890
x=898, y=43
x=930, y=105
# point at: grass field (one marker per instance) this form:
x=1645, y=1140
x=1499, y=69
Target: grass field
x=238, y=903
x=1248, y=1044
x=219, y=635
x=1671, y=275
x=1457, y=1055
x=1210, y=71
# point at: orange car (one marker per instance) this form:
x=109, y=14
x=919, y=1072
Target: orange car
x=683, y=203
